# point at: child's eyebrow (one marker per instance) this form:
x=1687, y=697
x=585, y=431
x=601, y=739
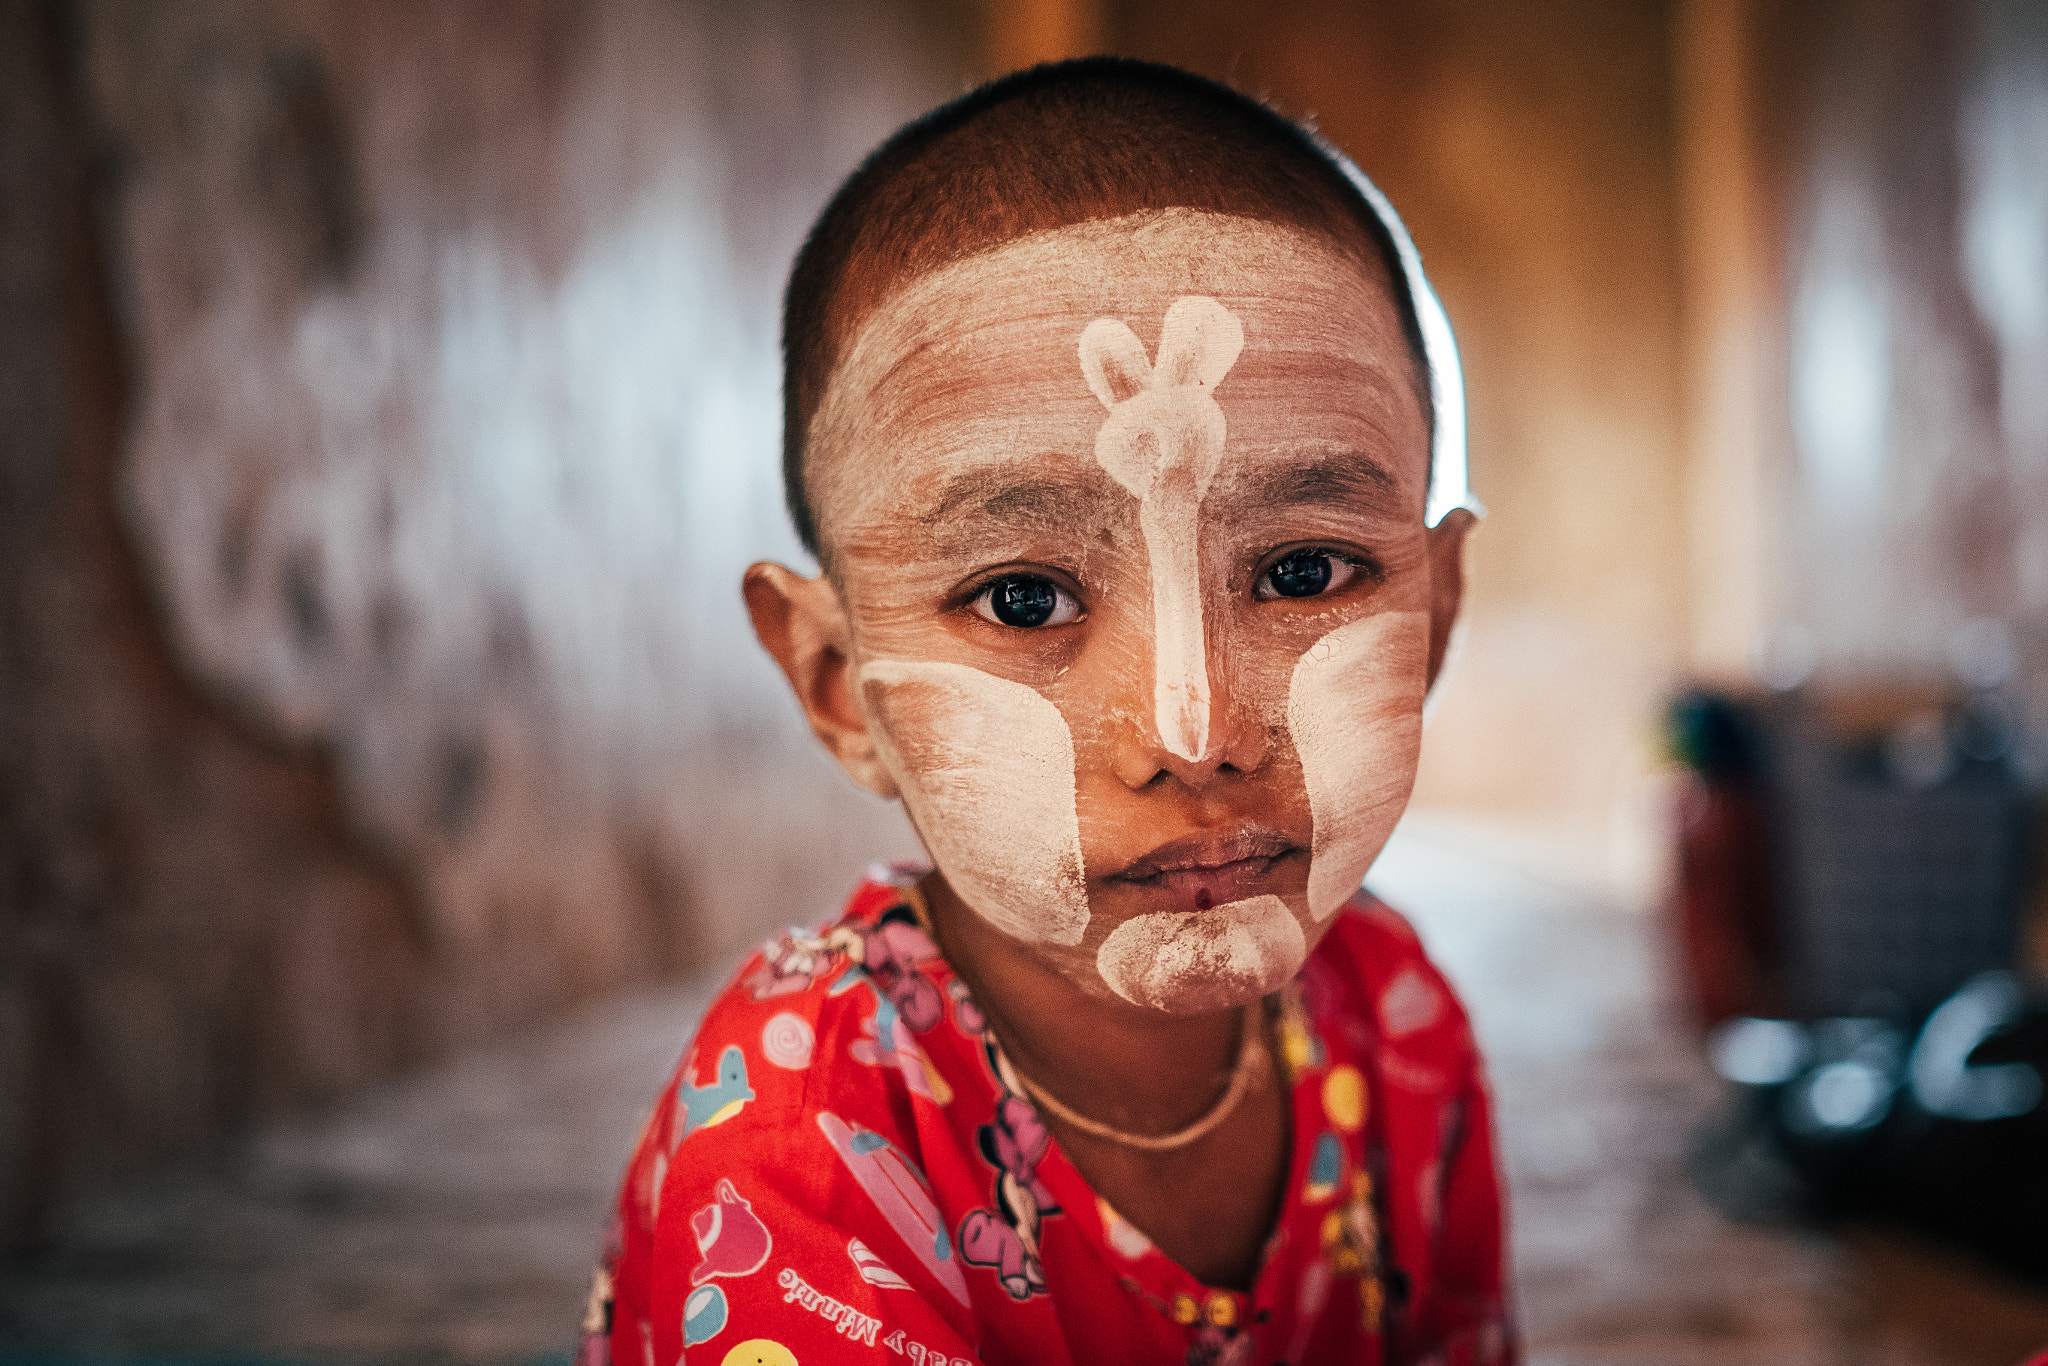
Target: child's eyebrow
x=1008, y=493
x=1330, y=476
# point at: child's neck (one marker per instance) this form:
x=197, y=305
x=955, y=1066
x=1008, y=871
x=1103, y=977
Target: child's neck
x=1135, y=1069
x=1210, y=1205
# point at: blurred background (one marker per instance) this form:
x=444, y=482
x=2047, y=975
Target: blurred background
x=389, y=404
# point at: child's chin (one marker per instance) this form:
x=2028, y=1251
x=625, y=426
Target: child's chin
x=1194, y=963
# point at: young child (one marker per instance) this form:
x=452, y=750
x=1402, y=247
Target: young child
x=1130, y=440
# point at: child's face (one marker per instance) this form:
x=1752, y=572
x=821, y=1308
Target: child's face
x=1126, y=524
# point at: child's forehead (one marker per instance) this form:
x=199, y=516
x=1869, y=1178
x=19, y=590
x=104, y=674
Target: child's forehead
x=976, y=366
x=1124, y=268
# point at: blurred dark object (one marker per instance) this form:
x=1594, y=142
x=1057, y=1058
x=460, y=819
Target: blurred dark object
x=1942, y=1128
x=1859, y=856
x=1904, y=854
x=1725, y=903
x=1852, y=872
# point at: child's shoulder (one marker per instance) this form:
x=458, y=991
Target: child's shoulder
x=1372, y=973
x=801, y=980
x=784, y=1039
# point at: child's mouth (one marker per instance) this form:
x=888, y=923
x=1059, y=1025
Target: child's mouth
x=1200, y=872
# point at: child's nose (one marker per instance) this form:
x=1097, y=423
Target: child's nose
x=1238, y=741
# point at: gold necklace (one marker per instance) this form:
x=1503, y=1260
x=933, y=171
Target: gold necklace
x=1253, y=1062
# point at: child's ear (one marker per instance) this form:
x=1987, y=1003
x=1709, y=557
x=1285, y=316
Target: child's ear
x=803, y=624
x=1446, y=583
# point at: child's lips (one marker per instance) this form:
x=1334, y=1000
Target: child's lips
x=1210, y=869
x=1202, y=888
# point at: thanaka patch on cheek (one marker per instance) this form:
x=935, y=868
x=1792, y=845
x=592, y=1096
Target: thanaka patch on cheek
x=1187, y=963
x=1163, y=440
x=986, y=768
x=1354, y=708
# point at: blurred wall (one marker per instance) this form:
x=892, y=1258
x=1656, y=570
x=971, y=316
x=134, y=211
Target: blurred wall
x=1910, y=173
x=389, y=408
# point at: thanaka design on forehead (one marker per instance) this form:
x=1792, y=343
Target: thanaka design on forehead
x=1163, y=441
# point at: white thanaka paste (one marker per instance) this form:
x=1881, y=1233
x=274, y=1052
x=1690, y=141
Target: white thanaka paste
x=986, y=767
x=1163, y=440
x=1186, y=963
x=1354, y=708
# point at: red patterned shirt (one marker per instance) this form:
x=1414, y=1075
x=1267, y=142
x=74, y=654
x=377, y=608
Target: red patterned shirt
x=837, y=1172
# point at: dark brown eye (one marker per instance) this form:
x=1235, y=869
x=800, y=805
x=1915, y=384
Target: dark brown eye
x=1302, y=574
x=1026, y=602
x=1307, y=573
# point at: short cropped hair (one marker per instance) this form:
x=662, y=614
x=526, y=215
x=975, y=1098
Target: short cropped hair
x=1064, y=143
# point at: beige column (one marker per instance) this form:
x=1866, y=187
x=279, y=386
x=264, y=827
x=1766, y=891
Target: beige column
x=1729, y=309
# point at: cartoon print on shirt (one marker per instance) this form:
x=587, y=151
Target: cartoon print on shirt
x=793, y=960
x=902, y=1195
x=978, y=1209
x=1325, y=1168
x=873, y=1269
x=887, y=1045
x=887, y=962
x=966, y=1014
x=892, y=950
x=704, y=1314
x=998, y=1245
x=703, y=1106
x=1014, y=1141
x=731, y=1237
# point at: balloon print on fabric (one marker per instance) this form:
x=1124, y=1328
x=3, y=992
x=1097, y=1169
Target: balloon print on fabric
x=760, y=1352
x=704, y=1315
x=900, y=1193
x=732, y=1239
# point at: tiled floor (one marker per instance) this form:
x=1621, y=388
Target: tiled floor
x=451, y=1217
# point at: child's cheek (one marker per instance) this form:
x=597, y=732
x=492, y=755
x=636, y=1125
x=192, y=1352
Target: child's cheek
x=1354, y=709
x=986, y=767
